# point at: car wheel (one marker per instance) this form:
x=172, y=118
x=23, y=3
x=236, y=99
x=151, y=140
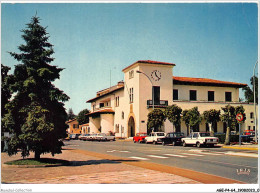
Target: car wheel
x=134, y=141
x=146, y=141
x=184, y=144
x=173, y=143
x=163, y=143
x=154, y=142
x=139, y=141
x=198, y=144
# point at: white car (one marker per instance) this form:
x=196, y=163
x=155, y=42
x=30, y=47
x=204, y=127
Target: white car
x=104, y=137
x=199, y=139
x=155, y=137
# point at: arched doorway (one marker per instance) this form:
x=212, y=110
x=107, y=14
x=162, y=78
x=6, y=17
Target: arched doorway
x=131, y=127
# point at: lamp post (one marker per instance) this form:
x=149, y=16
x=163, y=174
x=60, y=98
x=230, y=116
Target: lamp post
x=256, y=132
x=140, y=72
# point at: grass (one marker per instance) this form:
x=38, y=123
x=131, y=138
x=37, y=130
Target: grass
x=42, y=161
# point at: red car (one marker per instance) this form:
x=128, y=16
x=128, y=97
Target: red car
x=139, y=137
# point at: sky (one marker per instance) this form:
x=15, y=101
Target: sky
x=204, y=40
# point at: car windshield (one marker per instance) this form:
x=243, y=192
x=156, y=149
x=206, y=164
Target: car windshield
x=160, y=134
x=179, y=134
x=142, y=134
x=204, y=134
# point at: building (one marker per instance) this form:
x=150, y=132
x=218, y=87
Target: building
x=123, y=108
x=75, y=128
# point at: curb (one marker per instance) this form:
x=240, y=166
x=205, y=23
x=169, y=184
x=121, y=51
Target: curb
x=246, y=148
x=31, y=166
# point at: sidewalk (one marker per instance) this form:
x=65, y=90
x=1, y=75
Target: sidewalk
x=86, y=169
x=242, y=147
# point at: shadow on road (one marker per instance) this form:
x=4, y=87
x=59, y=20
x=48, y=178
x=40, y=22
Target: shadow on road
x=96, y=162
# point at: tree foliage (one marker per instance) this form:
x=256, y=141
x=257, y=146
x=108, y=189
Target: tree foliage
x=6, y=92
x=71, y=115
x=155, y=119
x=173, y=113
x=249, y=93
x=82, y=118
x=211, y=116
x=36, y=115
x=192, y=117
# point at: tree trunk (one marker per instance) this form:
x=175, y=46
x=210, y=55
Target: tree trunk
x=210, y=130
x=37, y=155
x=188, y=130
x=227, y=140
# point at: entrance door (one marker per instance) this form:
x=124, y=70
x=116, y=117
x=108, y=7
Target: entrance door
x=131, y=127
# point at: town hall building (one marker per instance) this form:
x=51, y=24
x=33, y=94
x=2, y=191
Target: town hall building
x=123, y=108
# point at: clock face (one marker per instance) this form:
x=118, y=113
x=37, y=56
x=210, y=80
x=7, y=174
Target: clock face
x=156, y=75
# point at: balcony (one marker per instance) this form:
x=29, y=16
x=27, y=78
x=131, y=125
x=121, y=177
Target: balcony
x=157, y=104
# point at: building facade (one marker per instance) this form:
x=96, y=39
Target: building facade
x=123, y=108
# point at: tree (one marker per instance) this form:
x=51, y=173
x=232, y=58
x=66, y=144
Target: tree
x=82, y=118
x=173, y=113
x=155, y=119
x=195, y=117
x=249, y=93
x=211, y=116
x=71, y=115
x=36, y=114
x=192, y=118
x=229, y=117
x=6, y=92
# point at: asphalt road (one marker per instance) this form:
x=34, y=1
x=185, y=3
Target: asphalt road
x=228, y=163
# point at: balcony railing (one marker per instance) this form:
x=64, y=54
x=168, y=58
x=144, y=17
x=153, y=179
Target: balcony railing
x=157, y=104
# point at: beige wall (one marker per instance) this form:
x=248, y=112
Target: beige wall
x=107, y=123
x=202, y=92
x=94, y=125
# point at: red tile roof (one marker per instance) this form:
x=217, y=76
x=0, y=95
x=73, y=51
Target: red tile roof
x=149, y=62
x=102, y=111
x=205, y=81
x=71, y=120
x=97, y=97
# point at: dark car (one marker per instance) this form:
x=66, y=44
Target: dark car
x=173, y=138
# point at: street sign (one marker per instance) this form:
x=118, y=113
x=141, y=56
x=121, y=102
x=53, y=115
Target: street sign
x=239, y=117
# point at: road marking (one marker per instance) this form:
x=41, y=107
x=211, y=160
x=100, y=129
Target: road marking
x=191, y=154
x=157, y=156
x=206, y=153
x=111, y=151
x=124, y=151
x=242, y=154
x=174, y=155
x=141, y=158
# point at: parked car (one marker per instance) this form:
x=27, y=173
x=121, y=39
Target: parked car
x=139, y=137
x=104, y=137
x=199, y=139
x=248, y=136
x=155, y=137
x=173, y=138
x=72, y=136
x=83, y=137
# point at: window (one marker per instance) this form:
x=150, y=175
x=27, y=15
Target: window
x=101, y=105
x=175, y=94
x=251, y=115
x=117, y=101
x=156, y=93
x=93, y=108
x=117, y=128
x=131, y=95
x=75, y=126
x=249, y=127
x=228, y=96
x=131, y=74
x=193, y=95
x=195, y=135
x=211, y=96
x=123, y=115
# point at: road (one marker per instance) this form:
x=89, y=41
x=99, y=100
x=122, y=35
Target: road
x=234, y=164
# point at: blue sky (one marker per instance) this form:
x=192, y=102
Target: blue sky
x=206, y=40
